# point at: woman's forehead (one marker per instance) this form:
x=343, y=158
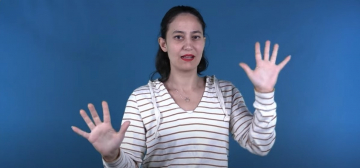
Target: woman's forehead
x=185, y=23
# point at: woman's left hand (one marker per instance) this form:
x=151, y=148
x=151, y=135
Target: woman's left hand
x=265, y=75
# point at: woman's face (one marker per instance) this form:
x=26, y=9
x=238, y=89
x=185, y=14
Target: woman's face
x=184, y=42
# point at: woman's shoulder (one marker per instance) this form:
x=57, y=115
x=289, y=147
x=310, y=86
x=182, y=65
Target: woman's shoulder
x=223, y=83
x=153, y=86
x=142, y=89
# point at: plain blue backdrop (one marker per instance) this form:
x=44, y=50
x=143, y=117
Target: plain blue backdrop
x=58, y=56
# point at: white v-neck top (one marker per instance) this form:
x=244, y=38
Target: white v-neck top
x=172, y=137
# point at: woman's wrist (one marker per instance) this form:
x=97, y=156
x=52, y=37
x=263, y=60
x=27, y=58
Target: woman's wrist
x=113, y=157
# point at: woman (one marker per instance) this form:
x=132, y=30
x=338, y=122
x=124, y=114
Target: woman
x=183, y=119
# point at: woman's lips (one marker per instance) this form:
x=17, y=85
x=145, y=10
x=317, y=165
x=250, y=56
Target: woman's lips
x=188, y=57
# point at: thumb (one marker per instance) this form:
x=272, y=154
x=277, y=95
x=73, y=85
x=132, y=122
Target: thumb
x=246, y=68
x=123, y=128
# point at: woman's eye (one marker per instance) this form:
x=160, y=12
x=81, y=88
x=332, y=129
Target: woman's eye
x=178, y=37
x=196, y=37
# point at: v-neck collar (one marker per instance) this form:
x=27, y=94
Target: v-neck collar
x=206, y=90
x=158, y=86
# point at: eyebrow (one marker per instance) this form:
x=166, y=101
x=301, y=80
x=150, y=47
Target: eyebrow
x=182, y=32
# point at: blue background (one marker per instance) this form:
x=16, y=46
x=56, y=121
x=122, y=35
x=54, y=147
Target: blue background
x=57, y=56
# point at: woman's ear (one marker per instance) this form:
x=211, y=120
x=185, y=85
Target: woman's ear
x=162, y=44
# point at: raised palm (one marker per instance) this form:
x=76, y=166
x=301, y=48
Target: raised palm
x=102, y=136
x=265, y=75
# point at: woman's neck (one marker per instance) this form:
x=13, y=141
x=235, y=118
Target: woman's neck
x=184, y=81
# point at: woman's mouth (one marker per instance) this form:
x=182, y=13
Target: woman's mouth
x=187, y=57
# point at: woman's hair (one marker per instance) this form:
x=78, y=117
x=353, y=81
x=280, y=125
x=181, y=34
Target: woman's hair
x=162, y=62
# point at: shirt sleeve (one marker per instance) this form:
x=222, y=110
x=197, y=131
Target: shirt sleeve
x=133, y=147
x=254, y=132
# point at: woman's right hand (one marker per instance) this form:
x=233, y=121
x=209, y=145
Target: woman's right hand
x=102, y=136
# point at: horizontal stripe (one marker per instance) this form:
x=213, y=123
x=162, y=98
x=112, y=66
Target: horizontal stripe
x=199, y=138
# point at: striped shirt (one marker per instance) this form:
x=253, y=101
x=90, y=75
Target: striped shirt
x=162, y=134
